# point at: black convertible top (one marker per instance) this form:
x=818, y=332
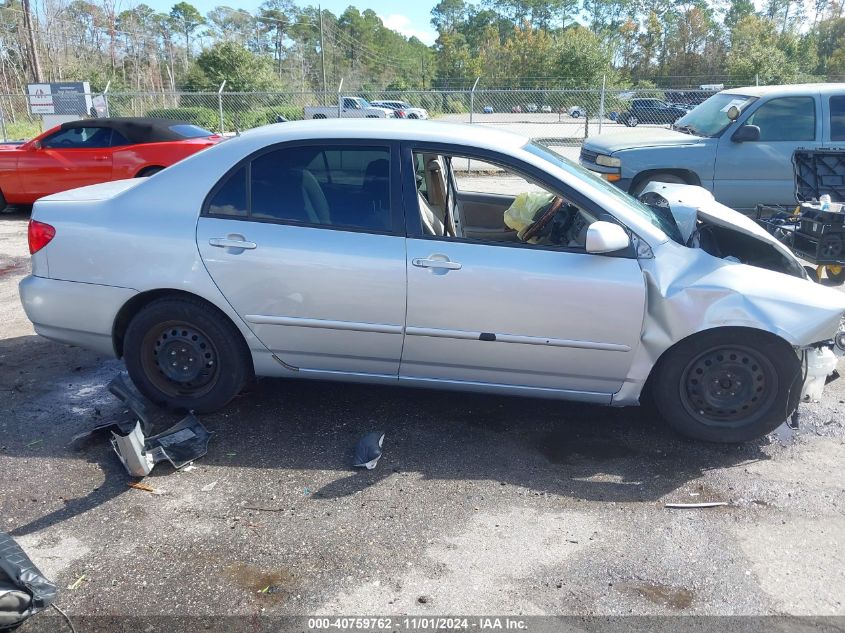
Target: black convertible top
x=138, y=129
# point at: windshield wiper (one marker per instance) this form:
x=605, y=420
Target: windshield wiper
x=686, y=129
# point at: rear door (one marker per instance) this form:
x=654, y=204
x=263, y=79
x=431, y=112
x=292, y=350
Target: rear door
x=754, y=172
x=306, y=242
x=67, y=159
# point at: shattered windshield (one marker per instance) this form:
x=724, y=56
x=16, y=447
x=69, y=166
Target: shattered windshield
x=660, y=218
x=711, y=117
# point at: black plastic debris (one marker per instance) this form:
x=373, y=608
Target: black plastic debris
x=24, y=591
x=132, y=438
x=368, y=450
x=180, y=445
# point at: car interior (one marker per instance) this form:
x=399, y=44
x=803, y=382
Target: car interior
x=466, y=198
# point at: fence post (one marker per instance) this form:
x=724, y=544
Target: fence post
x=601, y=100
x=106, y=97
x=340, y=99
x=3, y=123
x=472, y=99
x=220, y=106
x=757, y=79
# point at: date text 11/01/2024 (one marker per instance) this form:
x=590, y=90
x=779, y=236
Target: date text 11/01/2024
x=480, y=623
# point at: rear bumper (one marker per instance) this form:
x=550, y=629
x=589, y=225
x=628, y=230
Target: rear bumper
x=72, y=312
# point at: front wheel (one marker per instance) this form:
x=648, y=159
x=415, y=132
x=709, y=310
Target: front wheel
x=835, y=273
x=184, y=355
x=727, y=385
x=631, y=121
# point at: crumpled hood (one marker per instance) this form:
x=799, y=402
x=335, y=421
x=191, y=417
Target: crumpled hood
x=690, y=201
x=639, y=137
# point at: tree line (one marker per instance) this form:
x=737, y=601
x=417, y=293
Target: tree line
x=510, y=43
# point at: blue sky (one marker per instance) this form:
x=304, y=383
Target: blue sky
x=409, y=18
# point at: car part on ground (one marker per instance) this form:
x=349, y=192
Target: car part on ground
x=368, y=450
x=180, y=445
x=236, y=284
x=24, y=591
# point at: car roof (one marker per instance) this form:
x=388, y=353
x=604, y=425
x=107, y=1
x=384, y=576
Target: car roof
x=135, y=129
x=788, y=90
x=385, y=129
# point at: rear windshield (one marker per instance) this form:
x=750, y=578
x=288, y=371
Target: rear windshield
x=190, y=131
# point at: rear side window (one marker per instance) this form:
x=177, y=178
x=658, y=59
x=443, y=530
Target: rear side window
x=786, y=119
x=188, y=130
x=319, y=186
x=837, y=118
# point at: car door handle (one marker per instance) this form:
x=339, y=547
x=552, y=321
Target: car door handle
x=435, y=263
x=226, y=242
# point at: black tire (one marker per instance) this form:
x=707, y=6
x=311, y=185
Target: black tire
x=637, y=189
x=148, y=171
x=213, y=360
x=576, y=114
x=3, y=203
x=727, y=385
x=413, y=116
x=631, y=120
x=319, y=116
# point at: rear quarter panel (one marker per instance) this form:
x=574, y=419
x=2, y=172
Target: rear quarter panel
x=131, y=159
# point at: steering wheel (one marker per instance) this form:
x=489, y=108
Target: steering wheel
x=537, y=225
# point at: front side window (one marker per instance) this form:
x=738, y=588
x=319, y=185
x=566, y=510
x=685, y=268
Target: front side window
x=79, y=138
x=493, y=203
x=837, y=118
x=786, y=119
x=314, y=185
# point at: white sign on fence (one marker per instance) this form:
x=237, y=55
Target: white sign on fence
x=41, y=99
x=64, y=97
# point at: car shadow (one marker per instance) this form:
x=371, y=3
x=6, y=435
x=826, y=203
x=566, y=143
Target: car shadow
x=584, y=452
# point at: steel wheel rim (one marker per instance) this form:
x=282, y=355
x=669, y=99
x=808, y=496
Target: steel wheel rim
x=726, y=385
x=180, y=359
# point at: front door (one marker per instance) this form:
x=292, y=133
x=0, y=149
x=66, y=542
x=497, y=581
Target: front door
x=306, y=243
x=70, y=158
x=498, y=310
x=754, y=172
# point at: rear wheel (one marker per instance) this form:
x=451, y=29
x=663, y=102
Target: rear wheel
x=631, y=120
x=148, y=171
x=3, y=204
x=727, y=385
x=182, y=354
x=319, y=116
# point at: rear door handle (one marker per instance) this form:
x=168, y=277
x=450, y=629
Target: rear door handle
x=226, y=242
x=435, y=263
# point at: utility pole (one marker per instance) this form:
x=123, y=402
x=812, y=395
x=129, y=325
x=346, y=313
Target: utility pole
x=322, y=52
x=33, y=51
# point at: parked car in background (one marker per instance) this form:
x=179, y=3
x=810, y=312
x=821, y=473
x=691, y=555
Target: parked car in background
x=488, y=109
x=650, y=111
x=516, y=109
x=296, y=251
x=546, y=109
x=744, y=161
x=90, y=151
x=530, y=107
x=577, y=111
x=351, y=108
x=403, y=109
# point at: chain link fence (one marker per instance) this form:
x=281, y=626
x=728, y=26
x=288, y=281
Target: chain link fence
x=561, y=117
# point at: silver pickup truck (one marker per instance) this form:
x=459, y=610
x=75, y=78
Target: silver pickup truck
x=350, y=107
x=738, y=144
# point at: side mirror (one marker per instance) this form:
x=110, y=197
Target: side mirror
x=35, y=145
x=733, y=113
x=606, y=237
x=746, y=133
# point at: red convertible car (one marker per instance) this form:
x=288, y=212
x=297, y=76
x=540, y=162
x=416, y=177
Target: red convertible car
x=89, y=151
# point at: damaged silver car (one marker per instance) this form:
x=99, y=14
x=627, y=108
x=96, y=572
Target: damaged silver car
x=431, y=255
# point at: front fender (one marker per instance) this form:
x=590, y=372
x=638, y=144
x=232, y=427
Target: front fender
x=690, y=291
x=697, y=158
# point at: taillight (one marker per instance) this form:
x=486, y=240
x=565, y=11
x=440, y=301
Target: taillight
x=400, y=114
x=39, y=235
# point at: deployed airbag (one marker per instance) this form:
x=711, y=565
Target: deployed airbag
x=521, y=214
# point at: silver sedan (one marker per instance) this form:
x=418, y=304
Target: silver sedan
x=431, y=255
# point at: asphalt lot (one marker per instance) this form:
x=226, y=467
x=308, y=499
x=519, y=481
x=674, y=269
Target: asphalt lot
x=480, y=504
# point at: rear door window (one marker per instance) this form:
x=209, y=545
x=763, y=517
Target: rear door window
x=837, y=118
x=344, y=187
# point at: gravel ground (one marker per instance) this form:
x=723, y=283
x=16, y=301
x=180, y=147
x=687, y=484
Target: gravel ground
x=480, y=504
